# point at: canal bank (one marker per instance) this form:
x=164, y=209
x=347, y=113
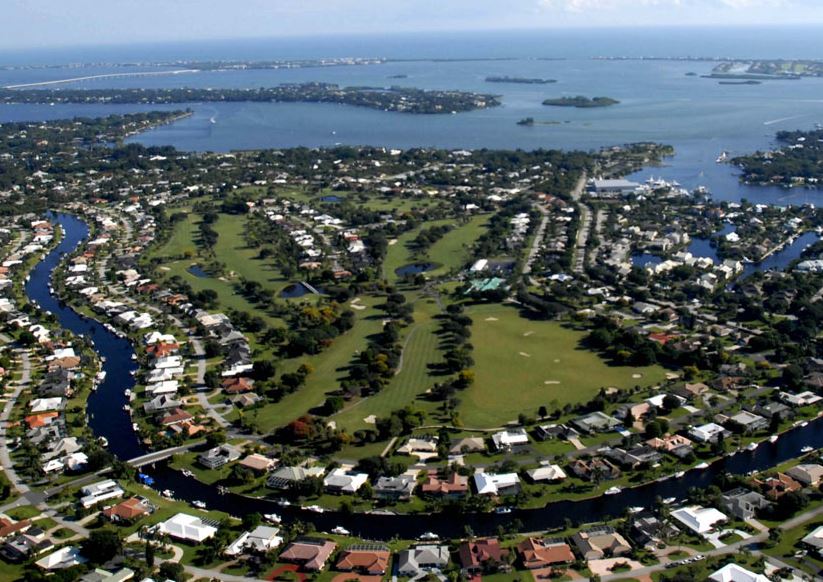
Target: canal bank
x=107, y=418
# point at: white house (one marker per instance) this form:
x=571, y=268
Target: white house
x=547, y=473
x=100, y=491
x=707, y=432
x=186, y=527
x=342, y=481
x=735, y=573
x=700, y=520
x=261, y=539
x=63, y=558
x=505, y=440
x=494, y=484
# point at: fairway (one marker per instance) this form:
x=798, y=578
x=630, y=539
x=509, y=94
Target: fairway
x=523, y=364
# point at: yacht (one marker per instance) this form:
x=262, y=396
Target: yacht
x=283, y=502
x=804, y=423
x=723, y=157
x=341, y=531
x=199, y=504
x=167, y=493
x=703, y=465
x=669, y=500
x=104, y=442
x=635, y=509
x=751, y=446
x=428, y=537
x=773, y=438
x=272, y=517
x=503, y=510
x=612, y=491
x=187, y=473
x=806, y=449
x=679, y=474
x=314, y=508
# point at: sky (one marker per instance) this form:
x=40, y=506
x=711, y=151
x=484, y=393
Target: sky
x=30, y=24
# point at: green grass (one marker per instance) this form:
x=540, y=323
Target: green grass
x=453, y=250
x=508, y=383
x=414, y=378
x=399, y=254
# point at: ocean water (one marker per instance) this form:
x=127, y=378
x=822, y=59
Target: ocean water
x=659, y=102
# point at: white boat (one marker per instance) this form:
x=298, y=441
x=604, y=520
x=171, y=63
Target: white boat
x=187, y=473
x=167, y=493
x=134, y=356
x=679, y=474
x=341, y=531
x=104, y=442
x=703, y=465
x=503, y=510
x=428, y=536
x=773, y=438
x=669, y=500
x=135, y=427
x=806, y=449
x=804, y=423
x=635, y=509
x=612, y=491
x=751, y=446
x=723, y=157
x=314, y=508
x=127, y=408
x=199, y=504
x=283, y=502
x=101, y=375
x=272, y=517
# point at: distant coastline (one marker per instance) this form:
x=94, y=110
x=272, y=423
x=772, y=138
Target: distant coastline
x=520, y=80
x=581, y=102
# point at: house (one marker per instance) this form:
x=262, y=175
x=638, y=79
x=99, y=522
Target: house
x=344, y=481
x=237, y=385
x=776, y=487
x=742, y=503
x=590, y=469
x=708, y=433
x=395, y=488
x=815, y=540
x=808, y=474
x=63, y=558
x=369, y=559
x=496, y=484
x=455, y=485
x=420, y=559
x=100, y=575
x=734, y=573
x=474, y=555
x=186, y=528
x=771, y=409
x=257, y=463
x=286, y=477
x=129, y=510
x=595, y=422
x=749, y=422
x=219, y=456
x=508, y=439
x=468, y=445
x=9, y=527
x=178, y=416
x=413, y=446
x=600, y=542
x=550, y=431
x=549, y=473
x=100, y=491
x=648, y=531
x=798, y=400
x=691, y=391
x=20, y=547
x=536, y=553
x=311, y=553
x=631, y=459
x=700, y=520
x=676, y=445
x=261, y=539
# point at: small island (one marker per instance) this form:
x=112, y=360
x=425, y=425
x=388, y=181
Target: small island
x=748, y=82
x=529, y=121
x=581, y=102
x=520, y=80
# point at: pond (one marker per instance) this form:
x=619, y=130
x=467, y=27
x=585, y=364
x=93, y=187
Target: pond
x=645, y=259
x=331, y=199
x=414, y=269
x=296, y=290
x=198, y=271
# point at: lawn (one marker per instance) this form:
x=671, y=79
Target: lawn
x=398, y=253
x=453, y=250
x=420, y=350
x=523, y=364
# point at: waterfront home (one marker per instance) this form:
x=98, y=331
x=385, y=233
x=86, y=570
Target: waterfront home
x=395, y=488
x=286, y=477
x=633, y=458
x=368, y=559
x=311, y=553
x=600, y=542
x=543, y=553
x=546, y=473
x=418, y=560
x=478, y=555
x=186, y=528
x=674, y=444
x=100, y=491
x=455, y=485
x=708, y=433
x=747, y=422
x=508, y=439
x=742, y=503
x=129, y=510
x=261, y=539
x=496, y=483
x=219, y=456
x=806, y=398
x=591, y=469
x=647, y=531
x=63, y=558
x=814, y=540
x=700, y=520
x=776, y=487
x=342, y=480
x=257, y=463
x=734, y=573
x=807, y=474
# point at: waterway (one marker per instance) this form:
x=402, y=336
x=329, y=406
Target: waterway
x=106, y=418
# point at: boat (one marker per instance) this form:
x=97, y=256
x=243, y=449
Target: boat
x=806, y=449
x=127, y=408
x=679, y=474
x=703, y=465
x=612, y=491
x=167, y=493
x=134, y=356
x=314, y=508
x=272, y=517
x=751, y=446
x=723, y=157
x=187, y=473
x=283, y=502
x=503, y=510
x=135, y=427
x=341, y=531
x=101, y=375
x=428, y=536
x=773, y=438
x=199, y=504
x=104, y=442
x=635, y=509
x=222, y=489
x=669, y=500
x=804, y=423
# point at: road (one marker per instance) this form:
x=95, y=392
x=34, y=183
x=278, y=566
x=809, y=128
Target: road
x=583, y=230
x=5, y=457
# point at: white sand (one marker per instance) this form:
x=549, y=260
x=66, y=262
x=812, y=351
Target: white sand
x=372, y=419
x=528, y=333
x=525, y=355
x=491, y=319
x=552, y=382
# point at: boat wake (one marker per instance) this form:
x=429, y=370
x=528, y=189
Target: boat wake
x=782, y=119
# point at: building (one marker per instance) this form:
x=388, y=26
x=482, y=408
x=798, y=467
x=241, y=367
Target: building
x=496, y=483
x=415, y=561
x=648, y=531
x=468, y=445
x=508, y=439
x=735, y=573
x=595, y=422
x=187, y=528
x=700, y=520
x=395, y=488
x=311, y=553
x=257, y=463
x=100, y=491
x=600, y=542
x=475, y=555
x=708, y=433
x=369, y=559
x=100, y=575
x=286, y=477
x=536, y=553
x=742, y=503
x=129, y=510
x=261, y=539
x=455, y=485
x=776, y=487
x=808, y=474
x=549, y=473
x=219, y=456
x=63, y=558
x=612, y=188
x=815, y=540
x=749, y=422
x=595, y=468
x=344, y=481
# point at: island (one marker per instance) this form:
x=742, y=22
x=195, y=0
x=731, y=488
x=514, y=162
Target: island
x=741, y=82
x=526, y=121
x=396, y=99
x=798, y=161
x=581, y=102
x=520, y=80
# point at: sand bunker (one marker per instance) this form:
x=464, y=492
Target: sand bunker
x=637, y=375
x=525, y=355
x=371, y=419
x=552, y=382
x=491, y=319
x=528, y=333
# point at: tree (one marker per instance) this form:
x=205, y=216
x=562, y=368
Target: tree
x=172, y=571
x=149, y=554
x=101, y=545
x=251, y=520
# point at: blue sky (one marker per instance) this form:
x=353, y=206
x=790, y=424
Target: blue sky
x=48, y=23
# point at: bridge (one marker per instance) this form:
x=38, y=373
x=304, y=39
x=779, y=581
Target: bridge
x=156, y=456
x=310, y=287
